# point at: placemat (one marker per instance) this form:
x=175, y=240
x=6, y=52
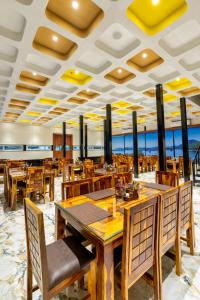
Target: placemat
x=161, y=187
x=101, y=194
x=88, y=213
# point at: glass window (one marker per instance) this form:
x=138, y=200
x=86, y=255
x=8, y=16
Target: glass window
x=141, y=144
x=38, y=148
x=76, y=148
x=178, y=142
x=193, y=140
x=169, y=143
x=152, y=143
x=11, y=148
x=129, y=144
x=118, y=144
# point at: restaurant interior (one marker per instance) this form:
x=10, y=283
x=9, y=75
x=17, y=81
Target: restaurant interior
x=100, y=149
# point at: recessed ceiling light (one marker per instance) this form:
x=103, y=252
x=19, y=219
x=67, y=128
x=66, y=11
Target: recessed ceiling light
x=76, y=72
x=88, y=90
x=119, y=70
x=75, y=4
x=54, y=38
x=155, y=2
x=34, y=73
x=144, y=55
x=178, y=79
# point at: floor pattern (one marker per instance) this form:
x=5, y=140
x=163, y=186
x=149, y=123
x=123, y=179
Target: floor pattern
x=13, y=256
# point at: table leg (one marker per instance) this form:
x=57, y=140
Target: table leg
x=13, y=194
x=105, y=272
x=59, y=225
x=52, y=187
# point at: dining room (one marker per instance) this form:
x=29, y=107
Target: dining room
x=99, y=150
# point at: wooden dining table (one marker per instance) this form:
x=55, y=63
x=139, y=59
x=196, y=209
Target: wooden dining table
x=17, y=175
x=105, y=234
x=103, y=172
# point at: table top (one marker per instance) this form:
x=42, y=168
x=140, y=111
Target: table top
x=104, y=171
x=15, y=173
x=110, y=228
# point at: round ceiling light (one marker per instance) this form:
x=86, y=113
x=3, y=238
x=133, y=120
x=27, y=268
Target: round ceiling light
x=144, y=55
x=75, y=4
x=119, y=70
x=54, y=38
x=34, y=73
x=155, y=2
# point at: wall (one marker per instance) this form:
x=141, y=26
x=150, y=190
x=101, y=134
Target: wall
x=25, y=134
x=40, y=135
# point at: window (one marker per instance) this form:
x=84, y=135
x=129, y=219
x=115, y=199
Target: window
x=141, y=144
x=129, y=144
x=169, y=143
x=178, y=142
x=152, y=143
x=118, y=144
x=11, y=147
x=59, y=148
x=76, y=148
x=38, y=147
x=193, y=140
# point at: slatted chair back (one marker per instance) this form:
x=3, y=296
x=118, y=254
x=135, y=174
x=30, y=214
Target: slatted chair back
x=16, y=164
x=140, y=240
x=89, y=171
x=102, y=182
x=167, y=178
x=35, y=241
x=124, y=178
x=74, y=189
x=187, y=214
x=35, y=180
x=169, y=219
x=122, y=168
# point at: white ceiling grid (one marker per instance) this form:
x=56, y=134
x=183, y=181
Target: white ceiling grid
x=114, y=41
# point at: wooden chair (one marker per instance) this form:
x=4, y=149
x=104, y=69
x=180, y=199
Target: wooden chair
x=16, y=164
x=140, y=245
x=35, y=181
x=167, y=178
x=102, y=182
x=76, y=188
x=187, y=214
x=169, y=228
x=123, y=177
x=57, y=265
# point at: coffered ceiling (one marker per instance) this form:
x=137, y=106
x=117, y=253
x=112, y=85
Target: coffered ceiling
x=63, y=58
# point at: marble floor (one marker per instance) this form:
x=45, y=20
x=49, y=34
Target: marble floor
x=13, y=256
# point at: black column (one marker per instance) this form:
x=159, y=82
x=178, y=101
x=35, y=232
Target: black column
x=105, y=140
x=135, y=144
x=145, y=140
x=64, y=140
x=109, y=133
x=81, y=136
x=174, y=152
x=186, y=159
x=161, y=127
x=86, y=141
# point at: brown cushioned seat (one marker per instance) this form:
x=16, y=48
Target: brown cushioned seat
x=65, y=258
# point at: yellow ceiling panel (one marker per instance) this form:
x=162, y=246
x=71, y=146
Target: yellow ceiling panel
x=76, y=77
x=179, y=83
x=123, y=111
x=47, y=101
x=33, y=113
x=152, y=16
x=122, y=104
x=25, y=121
x=175, y=114
x=169, y=98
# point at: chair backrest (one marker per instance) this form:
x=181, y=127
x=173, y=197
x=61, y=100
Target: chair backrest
x=124, y=178
x=16, y=164
x=185, y=204
x=102, y=182
x=35, y=241
x=167, y=178
x=139, y=240
x=35, y=179
x=168, y=219
x=76, y=188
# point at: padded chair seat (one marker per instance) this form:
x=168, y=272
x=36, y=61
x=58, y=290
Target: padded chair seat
x=65, y=258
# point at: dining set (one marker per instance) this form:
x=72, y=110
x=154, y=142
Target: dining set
x=94, y=229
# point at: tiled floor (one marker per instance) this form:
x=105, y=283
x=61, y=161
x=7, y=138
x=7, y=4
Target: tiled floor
x=13, y=256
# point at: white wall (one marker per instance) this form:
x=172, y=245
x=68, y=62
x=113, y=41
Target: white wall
x=40, y=135
x=25, y=135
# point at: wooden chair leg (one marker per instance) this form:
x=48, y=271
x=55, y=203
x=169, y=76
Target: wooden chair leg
x=29, y=280
x=157, y=282
x=178, y=255
x=191, y=239
x=92, y=286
